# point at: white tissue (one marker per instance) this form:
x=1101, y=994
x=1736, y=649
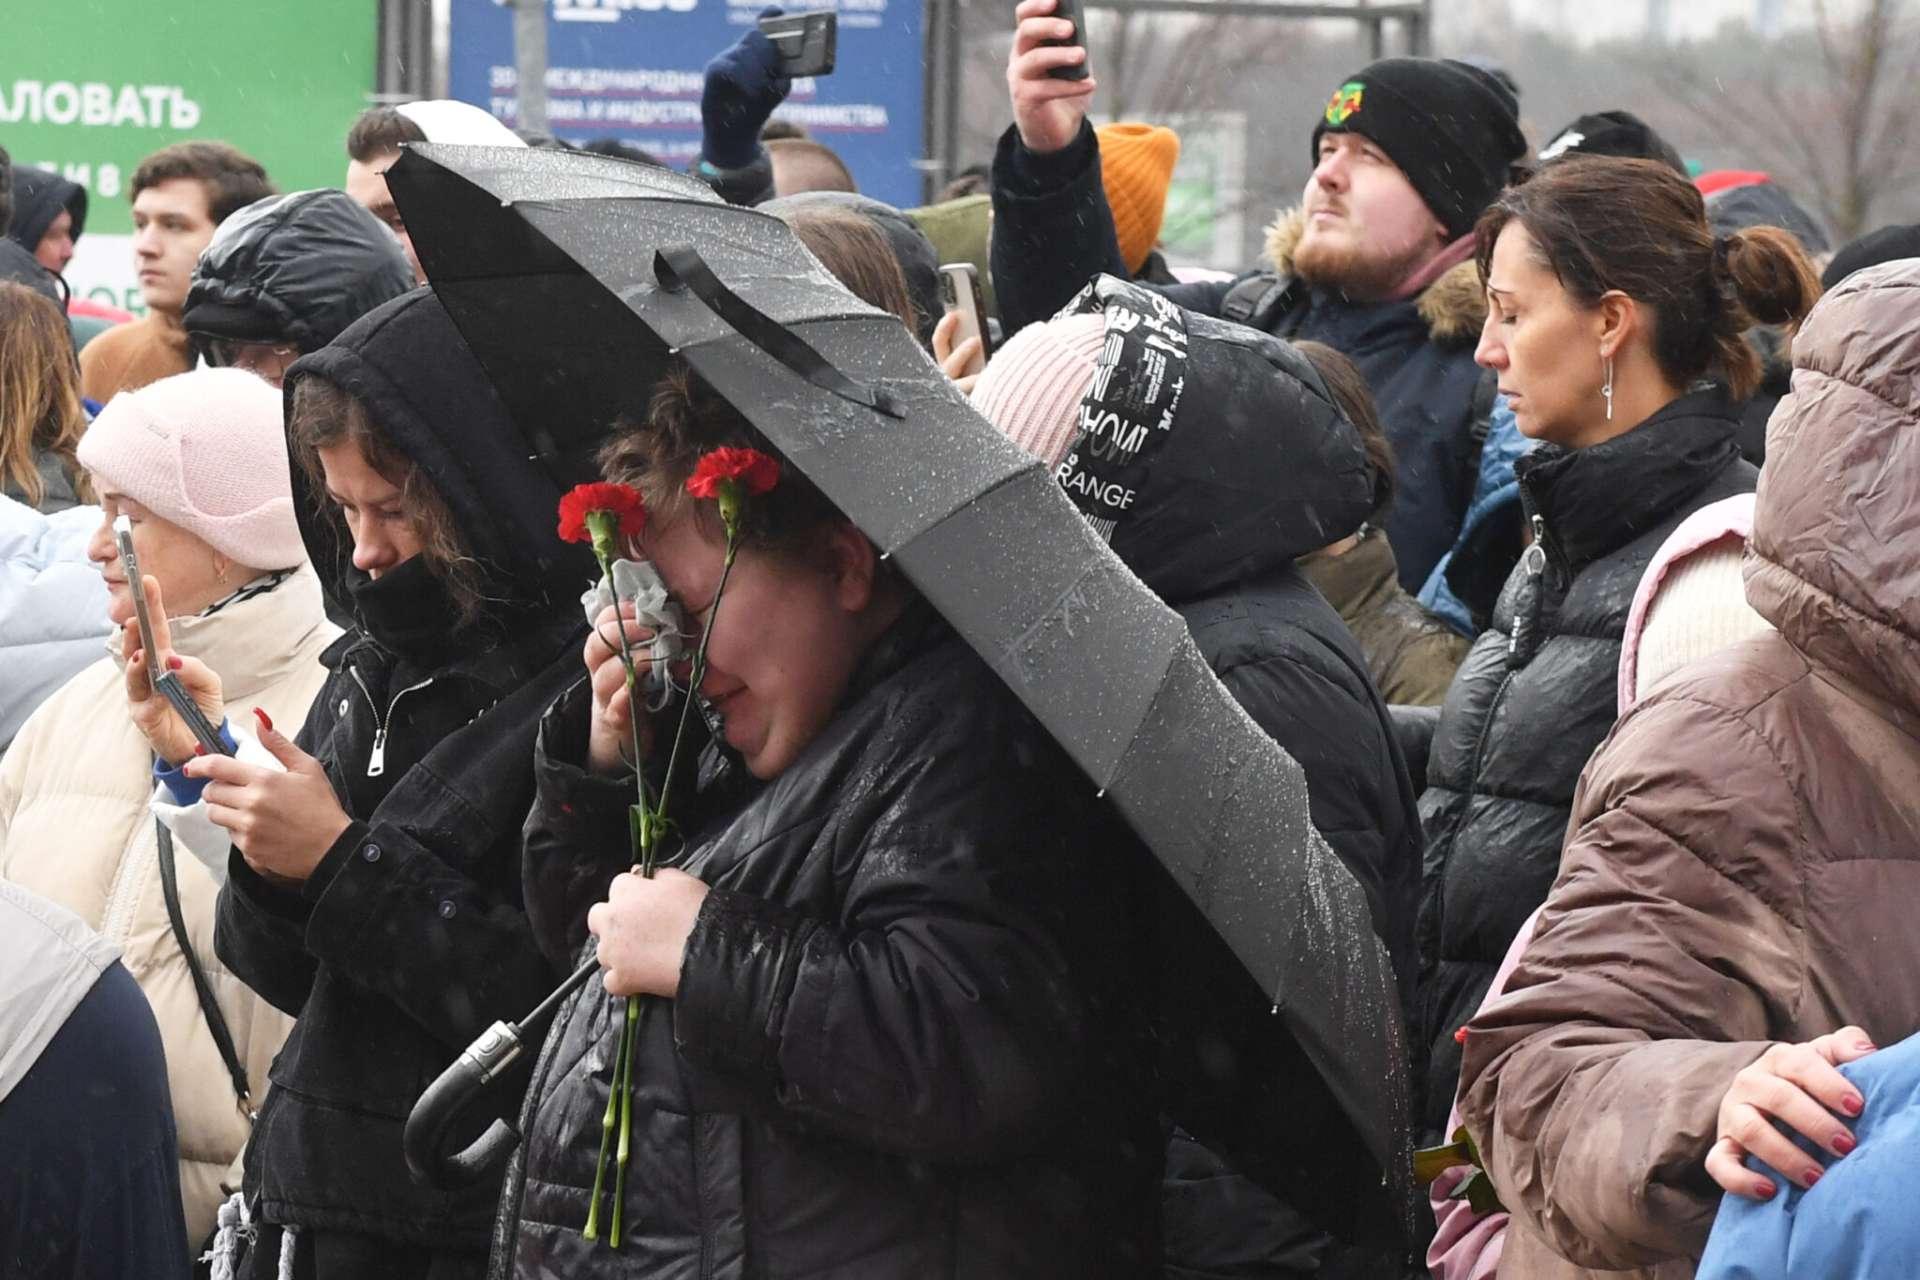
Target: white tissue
x=640, y=585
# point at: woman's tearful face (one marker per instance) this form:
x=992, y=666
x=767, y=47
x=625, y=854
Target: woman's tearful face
x=788, y=636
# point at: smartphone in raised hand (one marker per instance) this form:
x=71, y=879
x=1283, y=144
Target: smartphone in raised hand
x=165, y=683
x=806, y=42
x=1070, y=11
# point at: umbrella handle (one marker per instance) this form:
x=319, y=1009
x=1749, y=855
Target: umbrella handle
x=455, y=1088
x=680, y=268
x=443, y=1102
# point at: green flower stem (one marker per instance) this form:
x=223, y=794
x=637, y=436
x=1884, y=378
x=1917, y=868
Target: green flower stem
x=607, y=1121
x=650, y=826
x=624, y=1087
x=699, y=663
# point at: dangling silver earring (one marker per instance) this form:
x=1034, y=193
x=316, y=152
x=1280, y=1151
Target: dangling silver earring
x=1606, y=388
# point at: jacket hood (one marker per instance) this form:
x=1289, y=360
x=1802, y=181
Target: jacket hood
x=1831, y=560
x=1454, y=306
x=1762, y=204
x=919, y=261
x=298, y=268
x=38, y=197
x=407, y=363
x=52, y=959
x=1255, y=468
x=21, y=267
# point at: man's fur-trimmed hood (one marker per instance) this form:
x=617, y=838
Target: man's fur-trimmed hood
x=1454, y=306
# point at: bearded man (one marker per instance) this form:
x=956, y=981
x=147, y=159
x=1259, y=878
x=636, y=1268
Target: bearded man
x=1376, y=262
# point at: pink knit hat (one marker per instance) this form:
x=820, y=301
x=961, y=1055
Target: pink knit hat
x=205, y=450
x=1033, y=387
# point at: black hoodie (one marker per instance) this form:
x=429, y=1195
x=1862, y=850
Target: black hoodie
x=1258, y=468
x=38, y=197
x=410, y=937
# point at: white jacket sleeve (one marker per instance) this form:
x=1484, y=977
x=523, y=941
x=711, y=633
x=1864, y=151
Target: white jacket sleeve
x=192, y=830
x=53, y=606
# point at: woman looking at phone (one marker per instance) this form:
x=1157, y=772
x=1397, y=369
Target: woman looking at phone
x=374, y=884
x=198, y=463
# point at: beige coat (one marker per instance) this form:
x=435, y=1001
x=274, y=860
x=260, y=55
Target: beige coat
x=1744, y=855
x=75, y=827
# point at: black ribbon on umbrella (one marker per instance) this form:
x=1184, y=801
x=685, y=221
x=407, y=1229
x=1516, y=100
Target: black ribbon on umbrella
x=680, y=268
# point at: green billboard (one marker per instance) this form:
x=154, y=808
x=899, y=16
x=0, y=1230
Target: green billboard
x=90, y=87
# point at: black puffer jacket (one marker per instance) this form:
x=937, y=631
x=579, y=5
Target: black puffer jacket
x=1538, y=692
x=1053, y=232
x=1256, y=470
x=409, y=938
x=297, y=268
x=906, y=1041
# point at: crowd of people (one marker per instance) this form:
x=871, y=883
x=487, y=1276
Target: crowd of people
x=1544, y=501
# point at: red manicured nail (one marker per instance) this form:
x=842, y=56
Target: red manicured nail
x=174, y=663
x=266, y=721
x=1812, y=1177
x=1766, y=1190
x=1845, y=1143
x=1853, y=1104
x=199, y=748
x=1460, y=1036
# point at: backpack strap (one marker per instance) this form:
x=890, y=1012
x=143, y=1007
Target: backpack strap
x=1257, y=300
x=209, y=1006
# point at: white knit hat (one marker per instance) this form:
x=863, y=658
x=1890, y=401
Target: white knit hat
x=1033, y=387
x=446, y=120
x=205, y=450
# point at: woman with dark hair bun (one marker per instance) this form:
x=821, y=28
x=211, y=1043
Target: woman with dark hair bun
x=1615, y=322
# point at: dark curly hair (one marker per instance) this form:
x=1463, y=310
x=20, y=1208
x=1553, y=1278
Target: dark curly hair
x=685, y=420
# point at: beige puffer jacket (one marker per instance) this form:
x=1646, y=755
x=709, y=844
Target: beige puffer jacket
x=75, y=828
x=1744, y=855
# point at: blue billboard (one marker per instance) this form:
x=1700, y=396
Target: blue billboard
x=632, y=70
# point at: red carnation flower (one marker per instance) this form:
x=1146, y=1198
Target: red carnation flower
x=753, y=471
x=618, y=500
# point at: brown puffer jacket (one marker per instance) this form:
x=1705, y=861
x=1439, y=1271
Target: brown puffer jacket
x=1744, y=855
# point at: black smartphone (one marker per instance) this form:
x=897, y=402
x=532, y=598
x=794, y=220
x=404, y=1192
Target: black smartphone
x=1070, y=10
x=960, y=292
x=165, y=683
x=804, y=41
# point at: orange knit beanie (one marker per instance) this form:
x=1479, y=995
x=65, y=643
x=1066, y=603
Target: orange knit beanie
x=1136, y=167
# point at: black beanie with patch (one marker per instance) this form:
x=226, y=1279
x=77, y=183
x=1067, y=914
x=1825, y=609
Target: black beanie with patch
x=1452, y=128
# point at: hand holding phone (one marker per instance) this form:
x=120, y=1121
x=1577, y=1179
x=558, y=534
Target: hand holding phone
x=1049, y=84
x=960, y=291
x=175, y=722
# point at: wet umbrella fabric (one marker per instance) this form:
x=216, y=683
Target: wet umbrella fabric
x=574, y=279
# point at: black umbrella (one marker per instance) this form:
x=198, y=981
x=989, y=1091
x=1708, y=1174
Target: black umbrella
x=575, y=278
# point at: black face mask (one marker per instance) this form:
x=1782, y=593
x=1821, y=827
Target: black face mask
x=407, y=609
